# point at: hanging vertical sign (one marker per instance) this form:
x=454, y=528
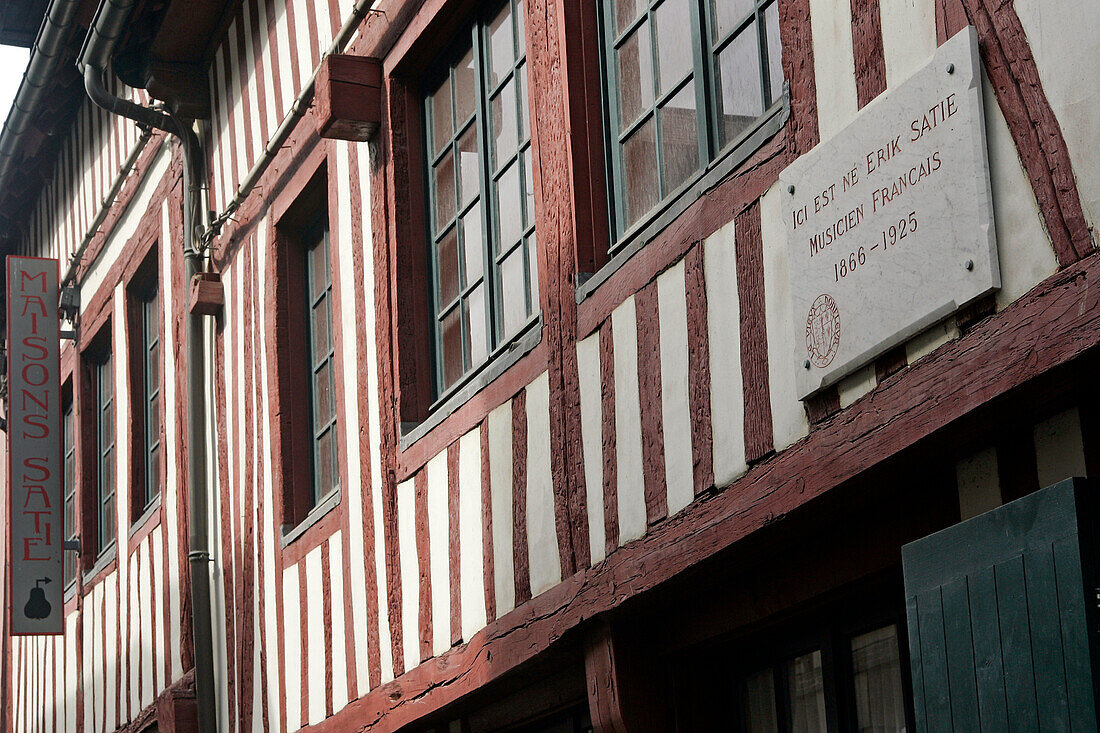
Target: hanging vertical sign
x=36, y=536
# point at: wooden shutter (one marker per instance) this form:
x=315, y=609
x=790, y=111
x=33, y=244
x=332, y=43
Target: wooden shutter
x=1000, y=609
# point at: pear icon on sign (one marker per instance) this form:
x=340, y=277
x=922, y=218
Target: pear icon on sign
x=37, y=606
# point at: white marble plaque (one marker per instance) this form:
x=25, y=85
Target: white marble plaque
x=890, y=222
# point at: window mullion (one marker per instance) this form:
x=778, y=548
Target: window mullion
x=493, y=307
x=762, y=55
x=610, y=84
x=654, y=81
x=705, y=108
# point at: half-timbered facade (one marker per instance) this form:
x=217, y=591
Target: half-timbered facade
x=485, y=376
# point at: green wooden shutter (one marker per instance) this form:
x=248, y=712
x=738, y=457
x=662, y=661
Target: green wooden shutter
x=999, y=610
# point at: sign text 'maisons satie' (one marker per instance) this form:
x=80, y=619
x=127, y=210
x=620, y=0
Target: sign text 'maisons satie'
x=34, y=448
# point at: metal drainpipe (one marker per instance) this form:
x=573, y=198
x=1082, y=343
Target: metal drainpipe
x=199, y=556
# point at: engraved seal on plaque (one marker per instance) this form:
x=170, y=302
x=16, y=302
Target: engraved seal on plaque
x=823, y=331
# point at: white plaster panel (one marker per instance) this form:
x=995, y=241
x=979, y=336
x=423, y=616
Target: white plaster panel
x=270, y=640
x=1026, y=254
x=156, y=607
x=373, y=416
x=170, y=495
x=110, y=614
x=542, y=537
x=300, y=41
x=834, y=65
x=71, y=674
x=925, y=343
x=87, y=679
x=292, y=647
x=282, y=34
x=978, y=483
x=136, y=611
x=144, y=615
x=339, y=626
x=1066, y=46
x=908, y=36
x=588, y=373
x=500, y=486
x=727, y=398
x=471, y=541
x=1059, y=447
x=628, y=423
x=410, y=573
x=352, y=419
x=789, y=423
x=439, y=552
x=316, y=651
x=675, y=410
x=855, y=385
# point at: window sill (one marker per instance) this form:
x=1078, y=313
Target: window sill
x=142, y=521
x=639, y=235
x=519, y=347
x=316, y=514
x=102, y=563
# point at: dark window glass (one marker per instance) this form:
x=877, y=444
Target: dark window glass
x=151, y=393
x=876, y=668
x=686, y=79
x=68, y=450
x=321, y=355
x=484, y=283
x=105, y=450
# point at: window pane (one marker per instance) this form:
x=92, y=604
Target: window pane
x=510, y=203
x=152, y=479
x=154, y=419
x=441, y=116
x=448, y=268
x=514, y=291
x=876, y=667
x=321, y=324
x=521, y=25
x=533, y=264
x=775, y=51
x=679, y=138
x=524, y=112
x=739, y=100
x=318, y=271
x=108, y=528
x=469, y=181
x=152, y=367
x=504, y=124
x=502, y=49
x=674, y=51
x=326, y=454
x=472, y=244
x=635, y=76
x=760, y=714
x=478, y=342
x=322, y=396
x=807, y=694
x=444, y=192
x=727, y=14
x=640, y=172
x=451, y=336
x=529, y=187
x=626, y=11
x=465, y=88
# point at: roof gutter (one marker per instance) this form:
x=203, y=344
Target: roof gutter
x=109, y=25
x=49, y=48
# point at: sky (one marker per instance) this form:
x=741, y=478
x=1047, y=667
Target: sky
x=13, y=62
